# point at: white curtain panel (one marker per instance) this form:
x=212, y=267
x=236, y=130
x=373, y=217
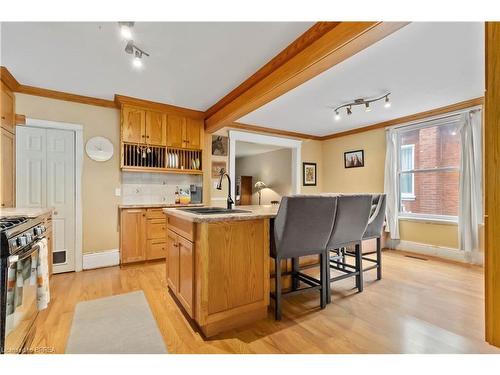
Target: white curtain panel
x=470, y=214
x=391, y=184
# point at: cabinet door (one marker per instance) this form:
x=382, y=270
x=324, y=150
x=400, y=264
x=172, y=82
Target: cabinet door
x=7, y=182
x=186, y=274
x=133, y=244
x=156, y=128
x=156, y=249
x=133, y=125
x=192, y=137
x=172, y=261
x=175, y=129
x=7, y=108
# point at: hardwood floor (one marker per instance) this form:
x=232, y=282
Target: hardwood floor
x=420, y=306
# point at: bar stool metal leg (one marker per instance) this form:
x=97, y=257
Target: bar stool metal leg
x=359, y=267
x=327, y=277
x=323, y=278
x=379, y=259
x=277, y=291
x=295, y=270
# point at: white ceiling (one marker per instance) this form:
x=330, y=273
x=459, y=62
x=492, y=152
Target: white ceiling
x=249, y=149
x=192, y=64
x=425, y=66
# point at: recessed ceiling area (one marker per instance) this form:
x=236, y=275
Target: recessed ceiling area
x=250, y=149
x=192, y=64
x=425, y=65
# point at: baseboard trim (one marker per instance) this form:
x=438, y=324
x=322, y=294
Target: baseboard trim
x=435, y=251
x=100, y=259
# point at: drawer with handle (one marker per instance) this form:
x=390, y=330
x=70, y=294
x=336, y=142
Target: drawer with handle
x=156, y=250
x=156, y=229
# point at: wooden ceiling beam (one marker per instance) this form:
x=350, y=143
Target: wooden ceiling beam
x=317, y=50
x=263, y=129
x=8, y=79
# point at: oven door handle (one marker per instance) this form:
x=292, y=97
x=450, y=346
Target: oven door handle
x=17, y=257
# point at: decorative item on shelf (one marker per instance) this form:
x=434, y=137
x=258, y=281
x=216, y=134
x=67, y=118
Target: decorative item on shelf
x=99, y=149
x=354, y=159
x=259, y=185
x=219, y=145
x=135, y=155
x=361, y=101
x=217, y=166
x=308, y=174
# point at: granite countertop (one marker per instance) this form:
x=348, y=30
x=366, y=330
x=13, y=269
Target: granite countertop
x=256, y=212
x=28, y=212
x=159, y=205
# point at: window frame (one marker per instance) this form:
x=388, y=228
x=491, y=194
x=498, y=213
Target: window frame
x=422, y=125
x=408, y=196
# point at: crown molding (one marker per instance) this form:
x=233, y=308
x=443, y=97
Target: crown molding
x=162, y=107
x=415, y=117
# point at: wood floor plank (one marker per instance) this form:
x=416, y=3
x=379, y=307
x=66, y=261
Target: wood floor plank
x=420, y=306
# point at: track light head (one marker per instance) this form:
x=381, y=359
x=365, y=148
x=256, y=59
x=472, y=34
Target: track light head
x=337, y=115
x=137, y=62
x=129, y=48
x=387, y=103
x=367, y=107
x=349, y=111
x=126, y=30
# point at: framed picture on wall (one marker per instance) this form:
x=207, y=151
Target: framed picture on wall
x=219, y=145
x=216, y=168
x=354, y=159
x=309, y=174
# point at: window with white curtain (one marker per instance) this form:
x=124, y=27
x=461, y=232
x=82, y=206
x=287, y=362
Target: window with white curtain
x=429, y=169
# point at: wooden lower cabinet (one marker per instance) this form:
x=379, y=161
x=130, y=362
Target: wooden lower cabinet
x=219, y=272
x=142, y=235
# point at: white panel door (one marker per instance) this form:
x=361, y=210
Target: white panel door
x=31, y=167
x=45, y=177
x=61, y=196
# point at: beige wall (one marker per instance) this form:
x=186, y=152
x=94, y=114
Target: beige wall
x=273, y=168
x=370, y=178
x=100, y=179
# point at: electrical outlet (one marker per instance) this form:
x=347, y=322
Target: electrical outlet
x=118, y=192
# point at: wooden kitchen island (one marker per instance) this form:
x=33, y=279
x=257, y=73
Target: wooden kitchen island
x=218, y=266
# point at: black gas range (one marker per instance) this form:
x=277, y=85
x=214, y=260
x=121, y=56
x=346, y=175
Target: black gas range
x=19, y=242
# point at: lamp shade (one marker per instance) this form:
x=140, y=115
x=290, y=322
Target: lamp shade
x=259, y=185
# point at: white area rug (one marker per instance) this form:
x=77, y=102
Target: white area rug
x=122, y=324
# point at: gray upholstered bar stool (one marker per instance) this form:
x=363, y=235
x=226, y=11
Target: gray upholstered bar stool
x=374, y=231
x=350, y=224
x=302, y=227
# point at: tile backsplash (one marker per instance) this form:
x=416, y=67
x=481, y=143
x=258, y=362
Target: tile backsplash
x=153, y=188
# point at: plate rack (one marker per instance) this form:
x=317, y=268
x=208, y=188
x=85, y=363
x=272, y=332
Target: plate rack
x=182, y=159
x=143, y=156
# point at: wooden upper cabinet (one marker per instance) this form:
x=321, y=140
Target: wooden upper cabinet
x=7, y=108
x=132, y=232
x=175, y=130
x=133, y=125
x=192, y=134
x=7, y=169
x=156, y=128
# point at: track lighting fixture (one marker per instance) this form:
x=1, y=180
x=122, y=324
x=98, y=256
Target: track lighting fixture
x=361, y=101
x=131, y=48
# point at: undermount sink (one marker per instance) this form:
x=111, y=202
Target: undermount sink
x=212, y=210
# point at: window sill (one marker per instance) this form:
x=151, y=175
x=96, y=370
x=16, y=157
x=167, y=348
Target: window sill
x=429, y=220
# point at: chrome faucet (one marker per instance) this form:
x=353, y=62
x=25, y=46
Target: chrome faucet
x=230, y=201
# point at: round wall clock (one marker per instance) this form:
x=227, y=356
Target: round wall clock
x=99, y=149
